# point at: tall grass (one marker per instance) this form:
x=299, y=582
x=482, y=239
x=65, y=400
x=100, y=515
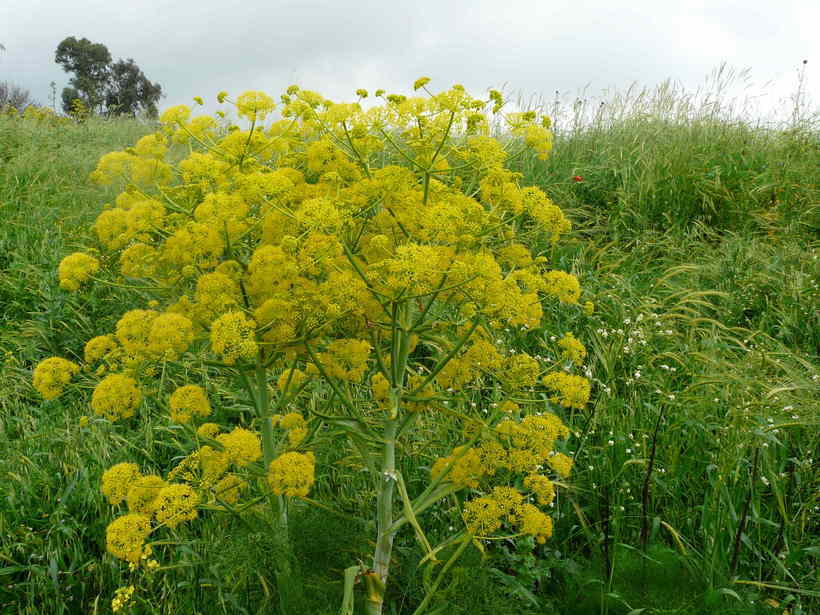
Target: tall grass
x=666, y=157
x=694, y=488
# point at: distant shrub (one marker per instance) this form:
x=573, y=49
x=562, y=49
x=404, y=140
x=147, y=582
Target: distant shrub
x=14, y=97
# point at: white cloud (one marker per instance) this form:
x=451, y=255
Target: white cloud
x=534, y=47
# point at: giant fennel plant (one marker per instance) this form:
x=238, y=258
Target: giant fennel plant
x=360, y=273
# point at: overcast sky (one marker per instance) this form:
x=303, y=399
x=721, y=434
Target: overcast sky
x=535, y=47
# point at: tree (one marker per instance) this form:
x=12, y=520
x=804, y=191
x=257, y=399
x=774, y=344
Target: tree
x=129, y=90
x=104, y=87
x=89, y=62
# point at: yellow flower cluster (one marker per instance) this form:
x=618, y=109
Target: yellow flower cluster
x=377, y=236
x=466, y=467
x=143, y=493
x=122, y=598
x=542, y=487
x=149, y=498
x=242, y=446
x=519, y=371
x=75, y=269
x=52, y=375
x=346, y=359
x=485, y=515
x=125, y=536
x=564, y=286
x=292, y=474
x=188, y=401
x=571, y=349
x=116, y=481
x=295, y=426
x=571, y=391
x=562, y=464
x=116, y=397
x=100, y=348
x=282, y=195
x=523, y=446
x=232, y=336
x=175, y=504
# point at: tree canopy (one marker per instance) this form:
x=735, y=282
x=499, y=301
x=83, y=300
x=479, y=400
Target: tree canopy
x=103, y=86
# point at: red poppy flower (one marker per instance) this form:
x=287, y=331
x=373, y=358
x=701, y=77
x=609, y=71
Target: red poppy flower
x=577, y=178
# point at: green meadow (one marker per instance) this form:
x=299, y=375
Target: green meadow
x=694, y=488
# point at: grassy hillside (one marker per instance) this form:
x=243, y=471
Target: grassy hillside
x=695, y=482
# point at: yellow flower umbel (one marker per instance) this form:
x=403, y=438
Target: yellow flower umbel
x=99, y=348
x=125, y=536
x=143, y=494
x=561, y=464
x=292, y=474
x=542, y=487
x=133, y=331
x=175, y=504
x=483, y=516
x=242, y=446
x=346, y=359
x=232, y=336
x=116, y=481
x=295, y=426
x=571, y=349
x=52, y=375
x=189, y=401
x=563, y=285
x=571, y=391
x=170, y=336
x=75, y=269
x=535, y=523
x=254, y=105
x=116, y=397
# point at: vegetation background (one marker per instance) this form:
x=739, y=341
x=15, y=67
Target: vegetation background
x=695, y=483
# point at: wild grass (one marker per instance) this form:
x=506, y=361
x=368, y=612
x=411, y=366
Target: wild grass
x=694, y=488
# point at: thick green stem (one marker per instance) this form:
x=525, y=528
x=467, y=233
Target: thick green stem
x=291, y=592
x=387, y=477
x=384, y=519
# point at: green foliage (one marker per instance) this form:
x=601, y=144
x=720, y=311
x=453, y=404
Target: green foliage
x=113, y=88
